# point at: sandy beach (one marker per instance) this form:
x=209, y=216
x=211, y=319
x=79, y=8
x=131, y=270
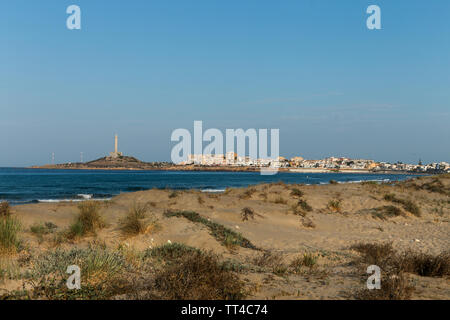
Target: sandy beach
x=287, y=226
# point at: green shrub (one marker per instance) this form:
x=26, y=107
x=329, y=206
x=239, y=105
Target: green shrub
x=296, y=192
x=334, y=205
x=224, y=235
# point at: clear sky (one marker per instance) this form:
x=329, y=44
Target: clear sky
x=144, y=68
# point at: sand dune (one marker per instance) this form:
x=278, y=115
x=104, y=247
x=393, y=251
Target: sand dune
x=341, y=215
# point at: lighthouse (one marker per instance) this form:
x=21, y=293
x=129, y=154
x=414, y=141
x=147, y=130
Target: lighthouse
x=116, y=152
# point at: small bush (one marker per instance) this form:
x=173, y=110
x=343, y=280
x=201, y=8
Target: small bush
x=247, y=213
x=9, y=239
x=5, y=209
x=247, y=193
x=200, y=200
x=173, y=194
x=170, y=251
x=303, y=204
x=333, y=181
x=42, y=229
x=423, y=264
x=384, y=212
x=297, y=193
x=306, y=260
x=394, y=286
x=280, y=200
x=272, y=260
x=267, y=258
x=198, y=276
x=380, y=254
x=408, y=205
x=334, y=205
x=101, y=270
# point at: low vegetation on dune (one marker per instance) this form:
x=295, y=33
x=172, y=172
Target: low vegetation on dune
x=395, y=284
x=114, y=265
x=435, y=185
x=171, y=271
x=224, y=235
x=383, y=212
x=43, y=229
x=199, y=276
x=169, y=251
x=408, y=205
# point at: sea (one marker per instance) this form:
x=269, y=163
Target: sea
x=23, y=185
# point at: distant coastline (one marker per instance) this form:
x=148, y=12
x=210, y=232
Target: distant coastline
x=120, y=162
x=220, y=169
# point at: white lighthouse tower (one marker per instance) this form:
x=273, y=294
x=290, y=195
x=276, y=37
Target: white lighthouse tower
x=116, y=152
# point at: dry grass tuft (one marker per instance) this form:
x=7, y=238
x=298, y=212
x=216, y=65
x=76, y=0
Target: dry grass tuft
x=88, y=221
x=134, y=224
x=9, y=235
x=5, y=209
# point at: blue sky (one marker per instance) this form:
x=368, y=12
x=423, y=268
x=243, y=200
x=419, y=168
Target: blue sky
x=144, y=68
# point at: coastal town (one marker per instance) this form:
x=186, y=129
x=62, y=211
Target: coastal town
x=231, y=159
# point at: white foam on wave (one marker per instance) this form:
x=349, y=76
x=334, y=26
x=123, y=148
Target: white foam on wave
x=70, y=200
x=85, y=196
x=213, y=190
